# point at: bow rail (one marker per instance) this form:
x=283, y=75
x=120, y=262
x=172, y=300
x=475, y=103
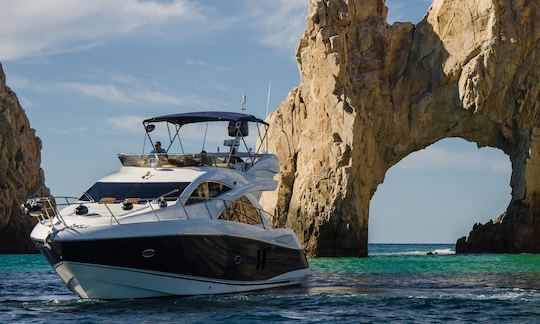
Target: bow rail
x=46, y=209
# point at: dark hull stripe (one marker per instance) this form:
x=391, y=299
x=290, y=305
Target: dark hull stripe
x=207, y=256
x=174, y=276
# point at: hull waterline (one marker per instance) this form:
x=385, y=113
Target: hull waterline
x=147, y=267
x=105, y=282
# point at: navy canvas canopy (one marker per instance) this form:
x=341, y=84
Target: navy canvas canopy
x=205, y=116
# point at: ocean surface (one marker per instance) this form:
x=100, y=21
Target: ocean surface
x=398, y=282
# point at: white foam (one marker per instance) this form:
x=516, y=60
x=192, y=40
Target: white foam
x=425, y=252
x=443, y=251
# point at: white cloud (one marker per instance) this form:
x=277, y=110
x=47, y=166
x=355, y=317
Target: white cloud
x=113, y=93
x=101, y=74
x=67, y=131
x=394, y=13
x=282, y=22
x=16, y=81
x=126, y=123
x=105, y=92
x=121, y=89
x=196, y=62
x=36, y=27
x=437, y=158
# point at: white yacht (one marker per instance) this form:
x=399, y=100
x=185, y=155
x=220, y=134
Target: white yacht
x=173, y=224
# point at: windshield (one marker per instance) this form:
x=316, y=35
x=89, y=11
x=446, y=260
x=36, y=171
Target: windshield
x=143, y=191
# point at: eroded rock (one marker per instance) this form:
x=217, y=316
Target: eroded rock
x=20, y=174
x=371, y=93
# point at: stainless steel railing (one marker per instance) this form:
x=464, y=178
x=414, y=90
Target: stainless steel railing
x=45, y=209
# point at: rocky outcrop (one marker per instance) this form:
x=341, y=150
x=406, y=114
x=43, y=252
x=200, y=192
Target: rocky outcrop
x=20, y=174
x=371, y=93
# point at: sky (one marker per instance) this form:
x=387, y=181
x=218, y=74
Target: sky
x=88, y=72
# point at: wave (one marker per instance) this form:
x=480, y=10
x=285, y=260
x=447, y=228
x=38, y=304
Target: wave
x=416, y=252
x=512, y=294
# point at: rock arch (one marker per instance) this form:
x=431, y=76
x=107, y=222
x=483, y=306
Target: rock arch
x=371, y=93
x=440, y=189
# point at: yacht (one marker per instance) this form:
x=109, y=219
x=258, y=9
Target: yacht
x=174, y=224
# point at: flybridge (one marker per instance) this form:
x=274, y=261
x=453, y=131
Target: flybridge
x=208, y=159
x=236, y=153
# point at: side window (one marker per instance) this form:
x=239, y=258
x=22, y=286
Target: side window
x=241, y=211
x=207, y=190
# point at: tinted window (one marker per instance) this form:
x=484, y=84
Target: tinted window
x=241, y=211
x=143, y=191
x=207, y=190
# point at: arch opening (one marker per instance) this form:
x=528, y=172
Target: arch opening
x=406, y=11
x=437, y=194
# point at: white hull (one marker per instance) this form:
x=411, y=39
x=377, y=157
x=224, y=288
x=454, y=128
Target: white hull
x=107, y=282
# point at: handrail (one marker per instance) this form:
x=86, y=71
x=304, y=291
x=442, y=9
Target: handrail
x=43, y=213
x=212, y=159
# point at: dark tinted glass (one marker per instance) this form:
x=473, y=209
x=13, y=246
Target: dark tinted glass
x=241, y=211
x=143, y=191
x=207, y=190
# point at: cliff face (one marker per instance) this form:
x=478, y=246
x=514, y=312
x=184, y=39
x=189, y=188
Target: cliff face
x=371, y=93
x=20, y=174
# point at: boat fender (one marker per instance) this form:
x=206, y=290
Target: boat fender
x=162, y=203
x=127, y=205
x=33, y=207
x=81, y=210
x=47, y=241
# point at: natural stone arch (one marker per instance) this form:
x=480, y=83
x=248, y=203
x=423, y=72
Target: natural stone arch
x=370, y=94
x=440, y=191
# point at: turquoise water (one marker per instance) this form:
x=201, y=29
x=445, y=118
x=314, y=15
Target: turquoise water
x=397, y=283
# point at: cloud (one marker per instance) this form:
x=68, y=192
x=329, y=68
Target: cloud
x=196, y=62
x=121, y=89
x=67, y=131
x=126, y=123
x=101, y=74
x=35, y=27
x=394, y=12
x=437, y=158
x=137, y=95
x=281, y=22
x=16, y=81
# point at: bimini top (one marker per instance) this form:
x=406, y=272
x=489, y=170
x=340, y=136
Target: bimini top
x=204, y=116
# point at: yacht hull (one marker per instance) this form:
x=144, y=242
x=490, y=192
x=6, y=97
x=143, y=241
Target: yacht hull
x=194, y=264
x=105, y=282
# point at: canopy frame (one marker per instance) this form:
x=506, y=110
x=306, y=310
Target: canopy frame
x=179, y=120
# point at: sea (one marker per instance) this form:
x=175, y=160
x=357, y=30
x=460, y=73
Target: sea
x=396, y=283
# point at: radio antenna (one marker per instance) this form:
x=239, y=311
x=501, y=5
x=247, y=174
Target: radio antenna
x=244, y=100
x=204, y=140
x=268, y=98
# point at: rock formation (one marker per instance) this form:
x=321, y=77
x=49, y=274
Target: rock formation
x=371, y=93
x=20, y=174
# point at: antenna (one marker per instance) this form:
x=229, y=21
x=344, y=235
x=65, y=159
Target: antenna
x=204, y=140
x=244, y=100
x=268, y=98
